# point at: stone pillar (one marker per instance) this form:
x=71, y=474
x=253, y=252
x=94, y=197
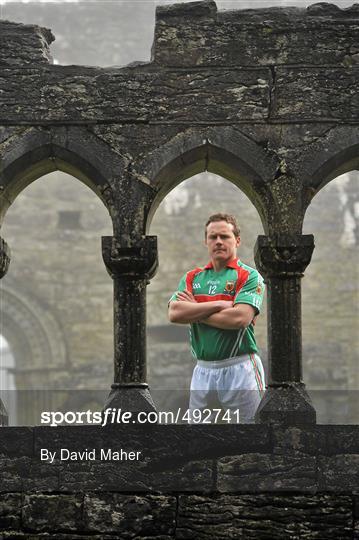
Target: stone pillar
x=4, y=266
x=4, y=257
x=282, y=260
x=4, y=417
x=131, y=267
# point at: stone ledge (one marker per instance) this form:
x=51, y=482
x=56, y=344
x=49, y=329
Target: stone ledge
x=183, y=458
x=136, y=95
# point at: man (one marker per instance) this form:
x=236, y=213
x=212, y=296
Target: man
x=220, y=302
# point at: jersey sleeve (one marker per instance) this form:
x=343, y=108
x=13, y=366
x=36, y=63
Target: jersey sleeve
x=252, y=291
x=181, y=287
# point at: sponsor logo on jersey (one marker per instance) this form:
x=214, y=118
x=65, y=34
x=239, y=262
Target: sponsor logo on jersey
x=213, y=282
x=229, y=286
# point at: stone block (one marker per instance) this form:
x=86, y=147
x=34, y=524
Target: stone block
x=12, y=471
x=15, y=440
x=10, y=509
x=325, y=94
x=130, y=516
x=210, y=441
x=340, y=439
x=72, y=437
x=255, y=473
x=264, y=516
x=143, y=476
x=296, y=440
x=338, y=473
x=21, y=44
x=40, y=477
x=45, y=512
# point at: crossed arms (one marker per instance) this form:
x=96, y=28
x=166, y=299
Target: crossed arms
x=218, y=313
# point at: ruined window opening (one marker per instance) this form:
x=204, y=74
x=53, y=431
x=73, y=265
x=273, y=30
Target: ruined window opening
x=330, y=302
x=56, y=295
x=179, y=225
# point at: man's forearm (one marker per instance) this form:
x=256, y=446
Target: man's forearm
x=227, y=319
x=189, y=312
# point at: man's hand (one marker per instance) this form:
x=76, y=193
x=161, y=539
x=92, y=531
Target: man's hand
x=185, y=296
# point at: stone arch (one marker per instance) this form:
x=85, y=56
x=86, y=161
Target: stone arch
x=334, y=155
x=32, y=330
x=223, y=151
x=36, y=152
x=43, y=345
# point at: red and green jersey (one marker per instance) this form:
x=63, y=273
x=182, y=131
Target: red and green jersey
x=237, y=282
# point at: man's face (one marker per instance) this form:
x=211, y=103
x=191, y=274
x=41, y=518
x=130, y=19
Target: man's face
x=221, y=242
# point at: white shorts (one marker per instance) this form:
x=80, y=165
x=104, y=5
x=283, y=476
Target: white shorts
x=236, y=384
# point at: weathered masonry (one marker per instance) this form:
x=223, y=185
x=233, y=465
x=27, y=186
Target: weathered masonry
x=267, y=99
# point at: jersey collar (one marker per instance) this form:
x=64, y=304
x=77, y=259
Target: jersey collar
x=230, y=264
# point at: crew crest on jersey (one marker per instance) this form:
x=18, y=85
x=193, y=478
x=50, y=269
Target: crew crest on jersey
x=230, y=286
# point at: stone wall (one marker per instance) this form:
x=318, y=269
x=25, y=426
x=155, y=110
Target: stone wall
x=190, y=482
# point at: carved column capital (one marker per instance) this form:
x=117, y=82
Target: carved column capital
x=131, y=261
x=4, y=257
x=283, y=255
